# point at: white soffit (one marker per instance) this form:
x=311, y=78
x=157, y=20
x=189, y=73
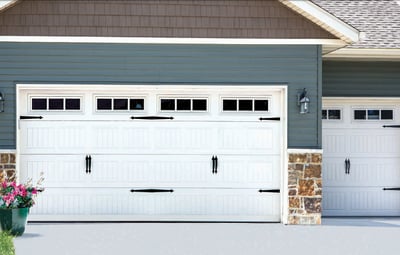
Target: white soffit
x=375, y=54
x=324, y=19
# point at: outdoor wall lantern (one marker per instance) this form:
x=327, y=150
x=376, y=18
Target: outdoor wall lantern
x=1, y=102
x=303, y=101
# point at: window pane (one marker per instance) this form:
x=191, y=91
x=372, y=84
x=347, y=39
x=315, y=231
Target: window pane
x=245, y=105
x=386, y=114
x=56, y=104
x=72, y=104
x=373, y=114
x=229, y=105
x=334, y=114
x=261, y=105
x=183, y=104
x=39, y=104
x=199, y=105
x=120, y=104
x=168, y=104
x=103, y=104
x=360, y=115
x=136, y=104
x=324, y=115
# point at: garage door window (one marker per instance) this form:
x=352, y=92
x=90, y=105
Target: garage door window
x=331, y=114
x=245, y=105
x=373, y=114
x=119, y=104
x=183, y=104
x=55, y=104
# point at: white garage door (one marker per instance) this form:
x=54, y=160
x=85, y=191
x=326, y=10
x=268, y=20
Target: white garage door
x=361, y=160
x=153, y=154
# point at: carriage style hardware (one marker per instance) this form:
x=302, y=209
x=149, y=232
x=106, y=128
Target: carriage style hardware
x=30, y=117
x=88, y=160
x=270, y=118
x=269, y=191
x=391, y=126
x=391, y=188
x=152, y=118
x=347, y=166
x=152, y=190
x=214, y=164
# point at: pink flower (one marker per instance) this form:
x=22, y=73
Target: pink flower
x=34, y=191
x=4, y=184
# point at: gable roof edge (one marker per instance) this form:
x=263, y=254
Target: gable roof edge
x=5, y=4
x=324, y=19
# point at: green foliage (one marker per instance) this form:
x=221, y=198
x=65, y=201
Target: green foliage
x=6, y=244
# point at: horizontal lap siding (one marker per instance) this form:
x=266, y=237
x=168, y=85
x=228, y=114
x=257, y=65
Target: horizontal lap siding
x=361, y=79
x=60, y=63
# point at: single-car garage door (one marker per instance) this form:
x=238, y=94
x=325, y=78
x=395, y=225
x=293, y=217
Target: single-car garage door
x=361, y=160
x=147, y=153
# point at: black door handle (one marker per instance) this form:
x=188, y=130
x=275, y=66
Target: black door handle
x=213, y=164
x=347, y=166
x=87, y=163
x=216, y=165
x=348, y=171
x=90, y=164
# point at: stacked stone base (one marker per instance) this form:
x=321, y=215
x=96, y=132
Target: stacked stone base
x=304, y=186
x=7, y=166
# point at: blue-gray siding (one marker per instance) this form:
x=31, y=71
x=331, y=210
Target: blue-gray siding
x=52, y=63
x=361, y=79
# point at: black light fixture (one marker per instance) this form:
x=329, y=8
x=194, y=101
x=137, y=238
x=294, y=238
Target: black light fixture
x=1, y=102
x=303, y=101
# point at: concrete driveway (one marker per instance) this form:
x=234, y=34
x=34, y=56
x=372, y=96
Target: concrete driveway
x=336, y=236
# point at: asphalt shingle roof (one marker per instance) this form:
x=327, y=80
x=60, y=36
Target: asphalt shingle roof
x=378, y=19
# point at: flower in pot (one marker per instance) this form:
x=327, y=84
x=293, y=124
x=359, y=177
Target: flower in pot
x=15, y=201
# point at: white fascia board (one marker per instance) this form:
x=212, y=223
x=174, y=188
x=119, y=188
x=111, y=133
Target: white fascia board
x=168, y=40
x=4, y=4
x=324, y=19
x=373, y=54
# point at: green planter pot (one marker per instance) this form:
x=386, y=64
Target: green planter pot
x=14, y=220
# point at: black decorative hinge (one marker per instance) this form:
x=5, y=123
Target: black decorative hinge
x=269, y=191
x=152, y=118
x=270, y=118
x=152, y=190
x=30, y=117
x=391, y=126
x=391, y=188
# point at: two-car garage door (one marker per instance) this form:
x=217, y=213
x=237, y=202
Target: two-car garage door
x=153, y=154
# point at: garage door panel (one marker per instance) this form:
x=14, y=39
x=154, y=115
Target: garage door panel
x=239, y=137
x=52, y=137
x=249, y=171
x=367, y=201
x=188, y=171
x=378, y=142
x=188, y=204
x=377, y=172
x=58, y=170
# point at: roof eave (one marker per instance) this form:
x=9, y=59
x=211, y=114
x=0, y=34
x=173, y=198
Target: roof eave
x=5, y=4
x=364, y=54
x=324, y=19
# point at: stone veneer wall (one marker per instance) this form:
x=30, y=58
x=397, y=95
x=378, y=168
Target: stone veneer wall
x=7, y=165
x=304, y=187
